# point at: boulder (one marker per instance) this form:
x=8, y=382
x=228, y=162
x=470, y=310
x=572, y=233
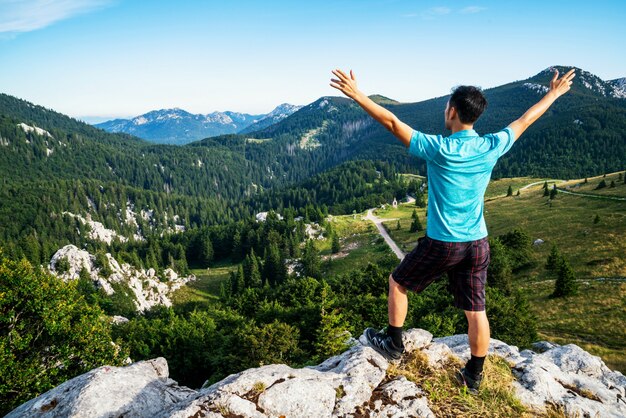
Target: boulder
x=142, y=389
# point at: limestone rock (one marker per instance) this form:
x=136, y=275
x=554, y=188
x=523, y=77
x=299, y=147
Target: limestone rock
x=353, y=383
x=148, y=290
x=408, y=400
x=142, y=389
x=459, y=344
x=566, y=376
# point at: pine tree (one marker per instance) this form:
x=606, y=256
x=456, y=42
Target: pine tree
x=612, y=183
x=509, y=192
x=499, y=273
x=546, y=192
x=398, y=227
x=553, y=193
x=206, y=249
x=545, y=185
x=596, y=219
x=232, y=281
x=565, y=284
x=62, y=265
x=225, y=289
x=254, y=274
x=517, y=194
x=331, y=334
x=274, y=269
x=240, y=279
x=236, y=248
x=335, y=247
x=553, y=259
x=416, y=225
x=311, y=260
x=601, y=185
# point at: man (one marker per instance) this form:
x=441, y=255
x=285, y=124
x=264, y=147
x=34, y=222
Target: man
x=459, y=168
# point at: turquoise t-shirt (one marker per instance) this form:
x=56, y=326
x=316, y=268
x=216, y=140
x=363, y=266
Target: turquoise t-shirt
x=459, y=168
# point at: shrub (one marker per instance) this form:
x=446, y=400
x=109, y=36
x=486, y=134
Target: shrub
x=48, y=333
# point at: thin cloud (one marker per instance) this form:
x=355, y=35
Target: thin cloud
x=431, y=13
x=434, y=12
x=472, y=9
x=439, y=10
x=18, y=16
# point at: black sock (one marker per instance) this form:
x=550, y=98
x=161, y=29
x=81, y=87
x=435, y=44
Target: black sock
x=474, y=366
x=396, y=335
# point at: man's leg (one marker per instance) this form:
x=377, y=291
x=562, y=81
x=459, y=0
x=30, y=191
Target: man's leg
x=415, y=272
x=397, y=303
x=478, y=332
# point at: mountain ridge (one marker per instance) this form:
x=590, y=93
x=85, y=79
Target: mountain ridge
x=178, y=126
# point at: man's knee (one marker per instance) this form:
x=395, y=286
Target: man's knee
x=476, y=316
x=393, y=285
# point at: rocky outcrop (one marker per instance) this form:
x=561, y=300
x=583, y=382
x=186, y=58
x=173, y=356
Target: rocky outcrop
x=352, y=384
x=148, y=290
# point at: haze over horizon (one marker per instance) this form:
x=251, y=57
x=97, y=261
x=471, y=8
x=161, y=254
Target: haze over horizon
x=103, y=59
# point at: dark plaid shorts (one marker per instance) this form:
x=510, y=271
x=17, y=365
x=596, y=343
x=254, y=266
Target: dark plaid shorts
x=465, y=262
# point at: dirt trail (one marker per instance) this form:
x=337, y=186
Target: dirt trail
x=378, y=222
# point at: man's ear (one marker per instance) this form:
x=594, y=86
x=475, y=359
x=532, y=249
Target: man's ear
x=452, y=112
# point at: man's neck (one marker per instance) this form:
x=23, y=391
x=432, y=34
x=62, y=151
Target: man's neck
x=460, y=127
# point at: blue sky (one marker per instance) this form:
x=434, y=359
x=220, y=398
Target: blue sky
x=120, y=58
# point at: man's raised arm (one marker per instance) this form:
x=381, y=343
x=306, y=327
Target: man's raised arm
x=557, y=89
x=347, y=85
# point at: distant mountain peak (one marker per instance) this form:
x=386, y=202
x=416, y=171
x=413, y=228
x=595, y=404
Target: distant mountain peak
x=585, y=79
x=277, y=114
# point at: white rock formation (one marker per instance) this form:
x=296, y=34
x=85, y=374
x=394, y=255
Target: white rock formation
x=262, y=216
x=147, y=289
x=142, y=389
x=97, y=231
x=27, y=128
x=314, y=230
x=354, y=383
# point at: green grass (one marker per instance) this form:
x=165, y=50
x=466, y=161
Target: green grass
x=593, y=250
x=406, y=240
x=408, y=176
x=592, y=182
x=500, y=187
x=206, y=288
x=594, y=319
x=360, y=239
x=496, y=397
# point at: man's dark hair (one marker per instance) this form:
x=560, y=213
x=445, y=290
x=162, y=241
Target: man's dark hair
x=469, y=103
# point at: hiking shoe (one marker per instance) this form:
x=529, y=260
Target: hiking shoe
x=381, y=342
x=472, y=383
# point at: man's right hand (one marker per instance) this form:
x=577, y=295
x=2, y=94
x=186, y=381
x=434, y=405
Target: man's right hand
x=345, y=84
x=559, y=86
